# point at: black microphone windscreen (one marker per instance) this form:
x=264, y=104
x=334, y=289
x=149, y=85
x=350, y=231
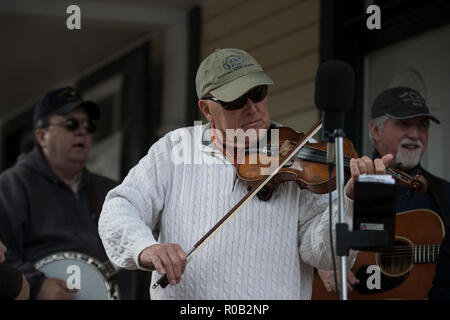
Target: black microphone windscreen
x=335, y=86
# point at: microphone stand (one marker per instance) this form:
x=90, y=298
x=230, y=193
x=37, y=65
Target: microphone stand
x=338, y=137
x=334, y=134
x=367, y=240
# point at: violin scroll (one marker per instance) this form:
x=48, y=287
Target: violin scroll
x=417, y=184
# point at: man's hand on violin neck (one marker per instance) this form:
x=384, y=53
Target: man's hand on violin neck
x=365, y=165
x=166, y=258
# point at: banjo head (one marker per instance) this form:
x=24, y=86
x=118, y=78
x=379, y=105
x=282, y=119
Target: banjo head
x=81, y=271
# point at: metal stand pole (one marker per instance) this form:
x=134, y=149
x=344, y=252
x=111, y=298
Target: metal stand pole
x=339, y=143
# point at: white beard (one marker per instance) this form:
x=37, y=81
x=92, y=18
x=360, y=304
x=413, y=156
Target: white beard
x=408, y=158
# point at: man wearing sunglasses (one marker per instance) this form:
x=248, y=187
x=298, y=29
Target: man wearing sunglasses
x=267, y=250
x=47, y=199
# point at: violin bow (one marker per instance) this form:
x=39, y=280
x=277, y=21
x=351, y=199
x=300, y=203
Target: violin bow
x=163, y=282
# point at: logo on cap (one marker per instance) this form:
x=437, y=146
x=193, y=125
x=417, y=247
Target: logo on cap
x=232, y=62
x=413, y=97
x=69, y=94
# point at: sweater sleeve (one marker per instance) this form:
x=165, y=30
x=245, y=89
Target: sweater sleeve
x=132, y=210
x=314, y=234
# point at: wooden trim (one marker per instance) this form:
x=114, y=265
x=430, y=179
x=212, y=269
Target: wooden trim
x=194, y=52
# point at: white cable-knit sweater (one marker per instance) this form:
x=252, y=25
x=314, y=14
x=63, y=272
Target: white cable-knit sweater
x=265, y=252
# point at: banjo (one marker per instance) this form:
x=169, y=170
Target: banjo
x=92, y=278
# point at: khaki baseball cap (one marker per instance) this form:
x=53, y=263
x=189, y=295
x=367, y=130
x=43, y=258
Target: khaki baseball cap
x=229, y=73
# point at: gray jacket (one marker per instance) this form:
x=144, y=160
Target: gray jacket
x=41, y=215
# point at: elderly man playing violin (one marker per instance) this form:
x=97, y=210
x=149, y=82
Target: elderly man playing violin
x=268, y=249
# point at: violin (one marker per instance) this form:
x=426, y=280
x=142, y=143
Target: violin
x=416, y=184
x=309, y=168
x=296, y=160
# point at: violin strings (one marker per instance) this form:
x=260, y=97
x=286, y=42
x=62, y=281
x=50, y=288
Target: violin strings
x=397, y=175
x=309, y=154
x=312, y=154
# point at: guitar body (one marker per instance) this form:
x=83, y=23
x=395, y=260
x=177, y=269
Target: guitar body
x=408, y=275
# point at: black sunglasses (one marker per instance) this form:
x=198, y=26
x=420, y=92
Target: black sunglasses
x=257, y=94
x=72, y=124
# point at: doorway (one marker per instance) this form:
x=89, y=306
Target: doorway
x=422, y=63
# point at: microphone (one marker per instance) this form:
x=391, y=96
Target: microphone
x=334, y=94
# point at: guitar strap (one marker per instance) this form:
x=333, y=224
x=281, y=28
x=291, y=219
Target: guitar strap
x=437, y=191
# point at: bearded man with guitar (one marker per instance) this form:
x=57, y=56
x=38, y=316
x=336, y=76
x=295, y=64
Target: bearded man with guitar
x=399, y=125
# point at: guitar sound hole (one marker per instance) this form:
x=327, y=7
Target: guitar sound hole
x=397, y=261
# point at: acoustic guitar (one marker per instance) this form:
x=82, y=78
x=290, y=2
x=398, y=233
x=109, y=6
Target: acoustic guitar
x=407, y=271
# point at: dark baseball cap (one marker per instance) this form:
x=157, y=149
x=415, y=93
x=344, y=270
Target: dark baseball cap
x=401, y=103
x=63, y=101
